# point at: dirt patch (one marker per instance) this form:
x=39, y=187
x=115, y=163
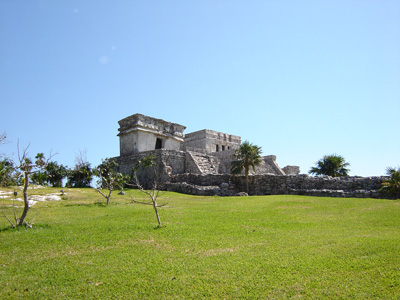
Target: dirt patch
x=213, y=252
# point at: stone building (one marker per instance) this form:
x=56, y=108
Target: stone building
x=210, y=141
x=138, y=133
x=199, y=163
x=201, y=152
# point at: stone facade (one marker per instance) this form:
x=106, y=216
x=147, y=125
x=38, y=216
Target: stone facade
x=211, y=141
x=138, y=133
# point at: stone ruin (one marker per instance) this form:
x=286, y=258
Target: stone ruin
x=199, y=163
x=201, y=152
x=139, y=133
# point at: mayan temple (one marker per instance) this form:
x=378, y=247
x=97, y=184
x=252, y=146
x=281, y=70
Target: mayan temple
x=202, y=152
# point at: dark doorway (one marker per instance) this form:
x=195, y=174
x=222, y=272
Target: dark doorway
x=158, y=143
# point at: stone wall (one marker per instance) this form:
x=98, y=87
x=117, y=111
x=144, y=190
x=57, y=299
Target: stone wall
x=167, y=162
x=181, y=171
x=173, y=158
x=211, y=141
x=314, y=186
x=229, y=185
x=225, y=158
x=291, y=170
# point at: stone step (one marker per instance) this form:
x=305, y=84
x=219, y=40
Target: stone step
x=204, y=164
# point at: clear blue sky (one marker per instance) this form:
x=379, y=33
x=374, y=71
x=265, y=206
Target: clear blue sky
x=301, y=79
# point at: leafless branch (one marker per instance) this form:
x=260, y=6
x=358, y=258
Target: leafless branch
x=27, y=224
x=5, y=216
x=141, y=202
x=3, y=138
x=51, y=155
x=81, y=158
x=15, y=212
x=24, y=153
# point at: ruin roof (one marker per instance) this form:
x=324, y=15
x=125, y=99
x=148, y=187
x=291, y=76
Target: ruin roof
x=142, y=122
x=208, y=133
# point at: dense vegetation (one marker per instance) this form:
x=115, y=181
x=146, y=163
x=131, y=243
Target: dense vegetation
x=265, y=247
x=331, y=165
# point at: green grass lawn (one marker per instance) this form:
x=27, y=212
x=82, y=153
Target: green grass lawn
x=261, y=247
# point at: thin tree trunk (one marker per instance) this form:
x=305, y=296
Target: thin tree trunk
x=109, y=196
x=156, y=211
x=26, y=202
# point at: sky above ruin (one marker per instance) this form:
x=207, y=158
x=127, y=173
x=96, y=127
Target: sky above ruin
x=301, y=79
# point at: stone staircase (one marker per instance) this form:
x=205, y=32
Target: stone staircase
x=206, y=164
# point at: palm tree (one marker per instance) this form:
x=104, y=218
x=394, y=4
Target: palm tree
x=391, y=186
x=247, y=155
x=332, y=165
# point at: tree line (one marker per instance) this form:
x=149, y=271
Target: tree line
x=52, y=174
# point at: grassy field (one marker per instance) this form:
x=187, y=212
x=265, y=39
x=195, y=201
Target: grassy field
x=264, y=247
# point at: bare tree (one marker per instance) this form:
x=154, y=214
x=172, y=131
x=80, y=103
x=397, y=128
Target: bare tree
x=154, y=192
x=81, y=158
x=27, y=167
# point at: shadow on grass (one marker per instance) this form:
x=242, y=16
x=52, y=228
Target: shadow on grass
x=159, y=227
x=100, y=204
x=7, y=228
x=19, y=228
